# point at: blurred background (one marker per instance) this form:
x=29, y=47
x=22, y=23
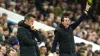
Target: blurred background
x=49, y=12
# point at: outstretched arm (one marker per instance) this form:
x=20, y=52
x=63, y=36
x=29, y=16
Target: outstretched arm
x=74, y=25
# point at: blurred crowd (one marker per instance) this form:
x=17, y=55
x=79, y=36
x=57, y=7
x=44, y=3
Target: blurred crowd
x=48, y=12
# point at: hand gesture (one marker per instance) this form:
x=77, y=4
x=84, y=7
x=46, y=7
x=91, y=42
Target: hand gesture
x=87, y=7
x=32, y=27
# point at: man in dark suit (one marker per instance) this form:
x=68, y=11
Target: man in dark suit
x=64, y=36
x=26, y=36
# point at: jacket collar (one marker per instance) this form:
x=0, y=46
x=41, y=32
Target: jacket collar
x=62, y=26
x=21, y=23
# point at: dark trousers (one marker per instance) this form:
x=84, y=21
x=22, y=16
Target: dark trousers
x=67, y=54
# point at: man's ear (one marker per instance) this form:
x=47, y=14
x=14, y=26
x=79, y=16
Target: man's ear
x=27, y=20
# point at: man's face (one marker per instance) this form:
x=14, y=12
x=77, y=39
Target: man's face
x=44, y=50
x=30, y=21
x=4, y=18
x=3, y=49
x=16, y=46
x=66, y=22
x=12, y=53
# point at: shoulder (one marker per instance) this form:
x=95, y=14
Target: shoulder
x=58, y=29
x=20, y=28
x=21, y=31
x=70, y=27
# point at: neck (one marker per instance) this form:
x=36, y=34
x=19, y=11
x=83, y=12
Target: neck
x=61, y=25
x=66, y=26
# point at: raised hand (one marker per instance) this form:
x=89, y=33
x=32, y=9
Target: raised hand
x=87, y=7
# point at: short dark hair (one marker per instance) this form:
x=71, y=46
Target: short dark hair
x=65, y=15
x=62, y=19
x=27, y=16
x=42, y=47
x=4, y=14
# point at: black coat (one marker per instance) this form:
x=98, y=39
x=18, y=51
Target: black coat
x=26, y=38
x=65, y=38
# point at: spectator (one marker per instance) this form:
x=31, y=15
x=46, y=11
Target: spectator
x=11, y=52
x=97, y=53
x=3, y=49
x=15, y=45
x=43, y=51
x=90, y=54
x=49, y=12
x=2, y=37
x=89, y=47
x=98, y=41
x=78, y=47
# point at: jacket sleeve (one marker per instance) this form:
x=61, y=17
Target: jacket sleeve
x=74, y=25
x=55, y=41
x=37, y=35
x=22, y=36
